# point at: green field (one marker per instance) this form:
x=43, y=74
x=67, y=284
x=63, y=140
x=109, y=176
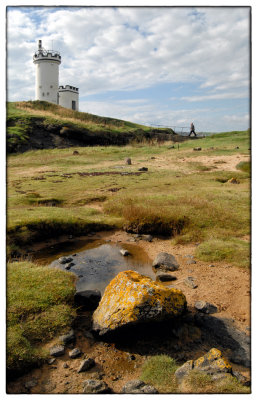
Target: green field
x=53, y=192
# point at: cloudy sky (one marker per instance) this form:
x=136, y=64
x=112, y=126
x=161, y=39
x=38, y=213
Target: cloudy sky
x=152, y=65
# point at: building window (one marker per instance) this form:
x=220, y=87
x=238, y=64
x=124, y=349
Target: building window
x=51, y=86
x=43, y=94
x=47, y=94
x=73, y=105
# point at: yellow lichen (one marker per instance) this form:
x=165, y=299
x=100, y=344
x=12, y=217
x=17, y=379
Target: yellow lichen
x=129, y=294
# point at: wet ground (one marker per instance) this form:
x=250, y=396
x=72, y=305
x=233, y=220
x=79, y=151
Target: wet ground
x=96, y=262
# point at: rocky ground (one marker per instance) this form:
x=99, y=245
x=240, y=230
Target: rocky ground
x=223, y=285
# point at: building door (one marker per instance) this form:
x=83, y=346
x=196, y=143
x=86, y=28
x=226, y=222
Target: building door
x=73, y=105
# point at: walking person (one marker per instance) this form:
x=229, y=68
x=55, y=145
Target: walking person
x=192, y=129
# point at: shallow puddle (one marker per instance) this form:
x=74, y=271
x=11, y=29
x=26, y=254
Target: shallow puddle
x=96, y=262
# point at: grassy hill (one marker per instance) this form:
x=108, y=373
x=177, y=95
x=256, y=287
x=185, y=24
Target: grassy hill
x=39, y=124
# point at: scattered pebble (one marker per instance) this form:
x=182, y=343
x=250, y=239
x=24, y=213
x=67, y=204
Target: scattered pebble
x=124, y=252
x=86, y=365
x=75, y=353
x=191, y=262
x=31, y=384
x=205, y=307
x=57, y=351
x=189, y=281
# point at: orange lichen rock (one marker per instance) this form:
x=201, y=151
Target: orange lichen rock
x=131, y=298
x=213, y=361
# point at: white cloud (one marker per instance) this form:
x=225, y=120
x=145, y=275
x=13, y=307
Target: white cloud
x=217, y=96
x=130, y=48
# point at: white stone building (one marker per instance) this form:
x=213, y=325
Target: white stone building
x=47, y=80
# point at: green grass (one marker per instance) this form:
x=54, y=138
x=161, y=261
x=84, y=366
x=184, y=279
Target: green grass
x=225, y=250
x=200, y=382
x=244, y=166
x=194, y=204
x=159, y=372
x=39, y=306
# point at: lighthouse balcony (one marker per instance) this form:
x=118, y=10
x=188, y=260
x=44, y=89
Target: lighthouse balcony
x=68, y=88
x=47, y=55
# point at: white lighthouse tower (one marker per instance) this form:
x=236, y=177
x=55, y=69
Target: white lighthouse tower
x=47, y=74
x=47, y=80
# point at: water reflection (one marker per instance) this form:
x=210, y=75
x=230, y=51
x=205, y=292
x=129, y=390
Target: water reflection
x=97, y=266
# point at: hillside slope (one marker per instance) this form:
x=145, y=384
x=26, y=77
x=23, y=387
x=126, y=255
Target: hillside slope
x=42, y=125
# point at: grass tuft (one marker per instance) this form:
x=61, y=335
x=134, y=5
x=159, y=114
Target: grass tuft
x=225, y=250
x=159, y=372
x=150, y=220
x=40, y=304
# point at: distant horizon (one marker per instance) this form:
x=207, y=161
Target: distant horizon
x=149, y=65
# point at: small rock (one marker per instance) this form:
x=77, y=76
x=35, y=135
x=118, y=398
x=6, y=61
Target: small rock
x=147, y=238
x=153, y=158
x=95, y=386
x=124, y=252
x=96, y=375
x=162, y=277
x=165, y=262
x=57, y=351
x=236, y=148
x=31, y=384
x=197, y=148
x=75, y=153
x=189, y=281
x=69, y=265
x=75, y=353
x=211, y=265
x=234, y=181
x=128, y=161
x=68, y=337
x=191, y=262
x=65, y=365
x=241, y=378
x=86, y=365
x=51, y=361
x=64, y=260
x=138, y=387
x=184, y=370
x=143, y=169
x=206, y=308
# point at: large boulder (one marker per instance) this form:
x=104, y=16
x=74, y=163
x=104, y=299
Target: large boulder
x=131, y=299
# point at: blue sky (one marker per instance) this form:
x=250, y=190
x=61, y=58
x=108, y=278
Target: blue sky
x=152, y=65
